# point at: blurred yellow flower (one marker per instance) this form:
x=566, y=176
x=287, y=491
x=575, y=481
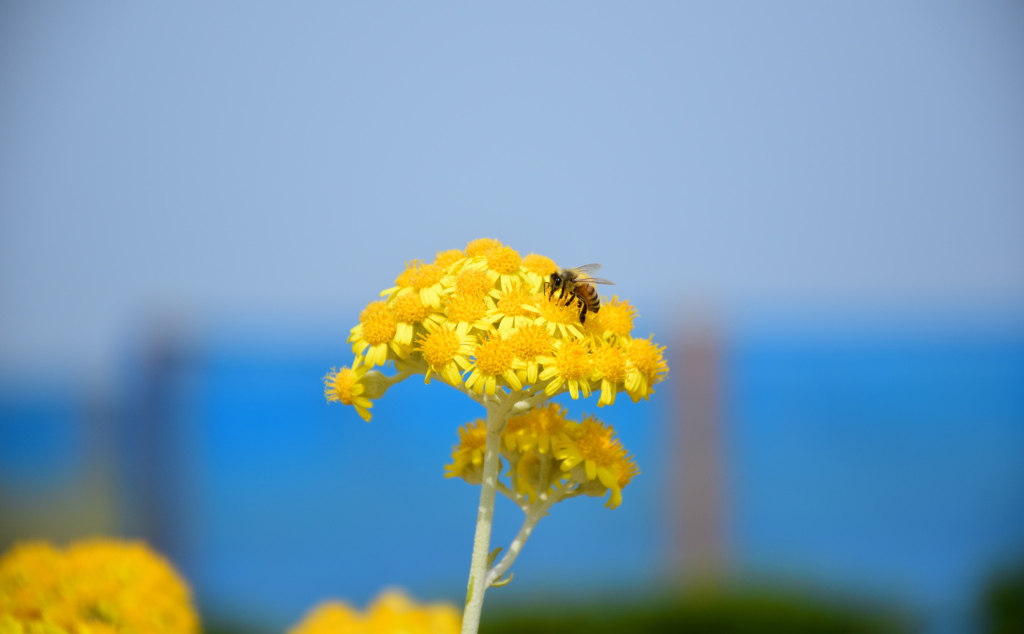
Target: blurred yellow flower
x=95, y=586
x=393, y=612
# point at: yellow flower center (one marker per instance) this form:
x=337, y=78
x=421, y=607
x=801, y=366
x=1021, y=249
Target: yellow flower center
x=473, y=282
x=343, y=386
x=646, y=356
x=610, y=362
x=409, y=309
x=447, y=258
x=573, y=359
x=512, y=302
x=504, y=260
x=465, y=308
x=530, y=341
x=539, y=264
x=378, y=323
x=616, y=317
x=481, y=246
x=494, y=356
x=440, y=347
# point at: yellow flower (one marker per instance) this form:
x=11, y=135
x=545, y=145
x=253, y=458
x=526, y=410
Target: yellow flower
x=346, y=385
x=646, y=367
x=423, y=279
x=411, y=316
x=535, y=429
x=615, y=319
x=374, y=334
x=468, y=311
x=95, y=585
x=494, y=360
x=468, y=455
x=449, y=259
x=330, y=617
x=597, y=460
x=570, y=365
x=530, y=344
x=446, y=351
x=481, y=246
x=391, y=613
x=516, y=308
x=610, y=369
x=537, y=270
x=561, y=319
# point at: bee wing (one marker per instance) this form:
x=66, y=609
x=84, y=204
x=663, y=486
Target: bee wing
x=588, y=268
x=595, y=280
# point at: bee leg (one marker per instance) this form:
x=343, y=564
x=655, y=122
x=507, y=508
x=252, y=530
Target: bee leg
x=583, y=312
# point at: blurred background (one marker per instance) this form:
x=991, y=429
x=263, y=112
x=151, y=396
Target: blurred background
x=818, y=208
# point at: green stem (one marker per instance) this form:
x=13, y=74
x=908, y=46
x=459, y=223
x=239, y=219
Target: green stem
x=497, y=415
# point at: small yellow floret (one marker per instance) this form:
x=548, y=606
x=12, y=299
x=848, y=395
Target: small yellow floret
x=468, y=455
x=447, y=258
x=409, y=308
x=378, y=323
x=602, y=457
x=539, y=265
x=481, y=246
x=504, y=260
x=571, y=364
x=346, y=386
x=494, y=356
x=446, y=352
x=465, y=308
x=615, y=318
x=493, y=360
x=473, y=283
x=610, y=367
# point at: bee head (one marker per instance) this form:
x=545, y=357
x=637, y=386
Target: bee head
x=556, y=279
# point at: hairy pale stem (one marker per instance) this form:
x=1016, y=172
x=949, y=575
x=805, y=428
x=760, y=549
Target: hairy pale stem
x=497, y=416
x=532, y=517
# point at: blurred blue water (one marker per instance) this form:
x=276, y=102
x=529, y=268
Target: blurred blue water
x=885, y=464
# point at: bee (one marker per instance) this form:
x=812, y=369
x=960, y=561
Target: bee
x=573, y=286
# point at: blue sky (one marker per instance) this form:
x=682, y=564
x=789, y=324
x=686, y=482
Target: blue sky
x=279, y=162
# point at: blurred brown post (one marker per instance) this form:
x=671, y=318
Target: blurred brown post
x=698, y=522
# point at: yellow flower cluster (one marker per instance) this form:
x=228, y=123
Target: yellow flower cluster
x=549, y=457
x=391, y=613
x=481, y=320
x=96, y=586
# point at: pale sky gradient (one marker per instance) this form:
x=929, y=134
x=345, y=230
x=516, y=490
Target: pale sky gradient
x=283, y=160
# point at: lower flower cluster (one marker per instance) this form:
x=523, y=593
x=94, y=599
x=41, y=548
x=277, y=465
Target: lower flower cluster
x=549, y=457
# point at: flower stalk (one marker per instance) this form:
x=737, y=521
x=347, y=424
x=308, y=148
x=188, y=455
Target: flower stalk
x=497, y=417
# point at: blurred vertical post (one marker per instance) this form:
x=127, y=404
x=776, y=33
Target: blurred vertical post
x=153, y=439
x=698, y=522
